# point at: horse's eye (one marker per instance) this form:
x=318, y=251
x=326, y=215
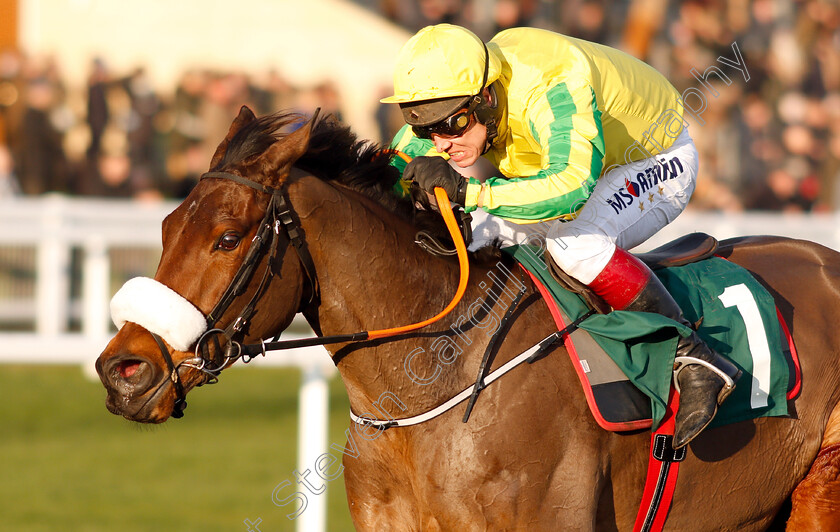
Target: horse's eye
x=229, y=241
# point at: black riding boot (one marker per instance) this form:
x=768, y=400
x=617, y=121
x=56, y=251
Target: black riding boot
x=702, y=386
x=703, y=377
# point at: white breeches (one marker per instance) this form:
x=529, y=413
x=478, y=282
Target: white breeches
x=630, y=204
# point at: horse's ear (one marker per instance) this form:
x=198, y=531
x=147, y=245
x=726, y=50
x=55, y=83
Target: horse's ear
x=279, y=158
x=244, y=117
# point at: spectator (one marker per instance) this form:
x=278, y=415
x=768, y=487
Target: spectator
x=97, y=107
x=39, y=154
x=415, y=14
x=141, y=134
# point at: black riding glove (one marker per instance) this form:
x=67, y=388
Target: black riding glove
x=431, y=172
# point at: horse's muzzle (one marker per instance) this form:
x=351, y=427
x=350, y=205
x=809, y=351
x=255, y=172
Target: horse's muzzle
x=135, y=388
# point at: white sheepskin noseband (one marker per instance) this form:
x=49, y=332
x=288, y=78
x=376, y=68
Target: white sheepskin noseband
x=160, y=310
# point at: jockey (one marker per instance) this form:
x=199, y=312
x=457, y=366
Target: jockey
x=585, y=137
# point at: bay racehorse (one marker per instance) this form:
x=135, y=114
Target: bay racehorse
x=530, y=457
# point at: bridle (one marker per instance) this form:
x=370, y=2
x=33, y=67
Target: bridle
x=278, y=222
x=278, y=215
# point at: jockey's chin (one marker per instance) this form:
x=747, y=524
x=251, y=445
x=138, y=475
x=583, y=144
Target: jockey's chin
x=465, y=162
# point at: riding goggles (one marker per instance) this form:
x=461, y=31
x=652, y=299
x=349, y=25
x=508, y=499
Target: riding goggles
x=454, y=125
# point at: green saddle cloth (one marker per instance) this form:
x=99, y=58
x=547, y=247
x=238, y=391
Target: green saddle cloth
x=739, y=321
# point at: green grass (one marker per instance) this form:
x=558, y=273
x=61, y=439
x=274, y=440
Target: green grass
x=67, y=464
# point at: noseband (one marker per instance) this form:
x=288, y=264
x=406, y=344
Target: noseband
x=278, y=216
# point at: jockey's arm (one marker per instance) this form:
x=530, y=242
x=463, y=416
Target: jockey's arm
x=566, y=125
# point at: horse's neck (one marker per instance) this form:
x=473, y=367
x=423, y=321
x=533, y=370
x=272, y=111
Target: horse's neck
x=372, y=276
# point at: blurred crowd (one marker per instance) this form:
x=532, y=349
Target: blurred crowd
x=769, y=142
x=118, y=137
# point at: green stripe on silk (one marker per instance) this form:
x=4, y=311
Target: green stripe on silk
x=546, y=209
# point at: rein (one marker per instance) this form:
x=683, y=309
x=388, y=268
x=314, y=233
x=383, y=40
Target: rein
x=250, y=351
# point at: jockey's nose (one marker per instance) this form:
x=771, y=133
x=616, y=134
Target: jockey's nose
x=441, y=144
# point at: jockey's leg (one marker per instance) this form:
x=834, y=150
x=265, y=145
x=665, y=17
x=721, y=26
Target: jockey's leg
x=628, y=205
x=488, y=229
x=626, y=283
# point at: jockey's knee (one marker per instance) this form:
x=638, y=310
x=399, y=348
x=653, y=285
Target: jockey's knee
x=583, y=256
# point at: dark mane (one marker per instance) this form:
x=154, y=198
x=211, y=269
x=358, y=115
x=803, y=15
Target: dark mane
x=334, y=154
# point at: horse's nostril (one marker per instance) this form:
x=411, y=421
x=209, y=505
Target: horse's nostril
x=129, y=375
x=128, y=368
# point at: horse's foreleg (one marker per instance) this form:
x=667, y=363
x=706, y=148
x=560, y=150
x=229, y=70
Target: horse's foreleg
x=816, y=499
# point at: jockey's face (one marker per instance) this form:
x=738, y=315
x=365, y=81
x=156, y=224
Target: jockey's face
x=466, y=148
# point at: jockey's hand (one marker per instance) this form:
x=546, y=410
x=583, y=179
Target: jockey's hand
x=431, y=172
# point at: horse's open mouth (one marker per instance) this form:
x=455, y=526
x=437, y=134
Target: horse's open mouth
x=148, y=408
x=156, y=400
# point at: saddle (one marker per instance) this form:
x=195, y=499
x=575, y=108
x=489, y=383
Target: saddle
x=686, y=249
x=624, y=360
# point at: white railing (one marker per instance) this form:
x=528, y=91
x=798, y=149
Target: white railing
x=53, y=226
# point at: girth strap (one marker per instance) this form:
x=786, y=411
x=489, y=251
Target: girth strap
x=662, y=472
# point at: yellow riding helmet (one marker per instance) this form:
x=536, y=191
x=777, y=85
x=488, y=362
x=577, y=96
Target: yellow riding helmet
x=443, y=63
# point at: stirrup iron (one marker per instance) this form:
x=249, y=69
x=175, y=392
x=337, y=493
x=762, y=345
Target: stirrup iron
x=682, y=362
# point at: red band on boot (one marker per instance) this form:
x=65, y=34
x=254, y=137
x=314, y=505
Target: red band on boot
x=621, y=280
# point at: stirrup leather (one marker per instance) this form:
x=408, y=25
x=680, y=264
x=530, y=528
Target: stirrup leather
x=681, y=362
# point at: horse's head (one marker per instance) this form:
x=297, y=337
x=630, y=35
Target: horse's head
x=221, y=247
